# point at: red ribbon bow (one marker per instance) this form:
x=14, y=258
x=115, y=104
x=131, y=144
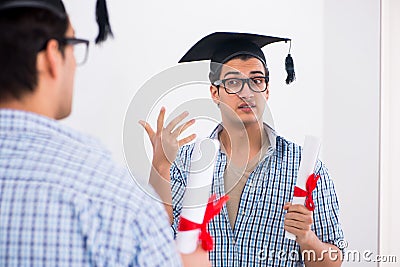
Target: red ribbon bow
x=212, y=209
x=310, y=186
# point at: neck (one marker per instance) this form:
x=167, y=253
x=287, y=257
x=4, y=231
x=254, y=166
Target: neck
x=244, y=142
x=31, y=103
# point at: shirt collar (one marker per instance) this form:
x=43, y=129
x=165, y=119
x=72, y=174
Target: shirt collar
x=268, y=129
x=14, y=121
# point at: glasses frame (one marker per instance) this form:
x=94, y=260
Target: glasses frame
x=71, y=41
x=222, y=82
x=74, y=41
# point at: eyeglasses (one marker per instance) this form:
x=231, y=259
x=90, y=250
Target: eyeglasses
x=235, y=85
x=81, y=48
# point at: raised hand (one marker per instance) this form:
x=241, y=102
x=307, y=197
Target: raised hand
x=165, y=140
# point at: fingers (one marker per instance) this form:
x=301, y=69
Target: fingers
x=298, y=221
x=297, y=228
x=183, y=127
x=293, y=230
x=169, y=129
x=287, y=205
x=298, y=208
x=186, y=140
x=297, y=225
x=176, y=120
x=160, y=120
x=298, y=218
x=147, y=127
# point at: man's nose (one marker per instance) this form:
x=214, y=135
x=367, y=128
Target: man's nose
x=246, y=92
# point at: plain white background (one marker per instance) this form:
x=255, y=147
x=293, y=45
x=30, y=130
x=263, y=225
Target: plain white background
x=336, y=48
x=390, y=128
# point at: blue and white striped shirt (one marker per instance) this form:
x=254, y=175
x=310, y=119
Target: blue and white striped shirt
x=63, y=202
x=258, y=238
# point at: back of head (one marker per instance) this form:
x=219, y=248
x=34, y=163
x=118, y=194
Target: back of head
x=24, y=32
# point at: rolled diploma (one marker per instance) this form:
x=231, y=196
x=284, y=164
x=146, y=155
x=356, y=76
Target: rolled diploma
x=197, y=191
x=307, y=164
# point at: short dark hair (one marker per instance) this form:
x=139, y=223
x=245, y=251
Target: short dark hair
x=23, y=33
x=213, y=77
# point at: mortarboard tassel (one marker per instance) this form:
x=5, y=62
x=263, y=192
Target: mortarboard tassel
x=102, y=21
x=289, y=66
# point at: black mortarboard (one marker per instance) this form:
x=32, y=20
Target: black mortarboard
x=57, y=7
x=220, y=47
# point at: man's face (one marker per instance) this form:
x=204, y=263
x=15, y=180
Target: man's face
x=67, y=79
x=247, y=106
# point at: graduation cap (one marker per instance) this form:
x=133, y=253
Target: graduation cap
x=220, y=47
x=57, y=8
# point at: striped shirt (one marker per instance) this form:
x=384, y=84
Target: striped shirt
x=258, y=238
x=63, y=202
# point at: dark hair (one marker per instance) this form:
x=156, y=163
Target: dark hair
x=23, y=33
x=213, y=77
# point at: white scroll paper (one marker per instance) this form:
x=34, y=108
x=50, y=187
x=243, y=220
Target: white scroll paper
x=197, y=191
x=307, y=164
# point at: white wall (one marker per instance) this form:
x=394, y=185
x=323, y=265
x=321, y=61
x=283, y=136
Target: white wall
x=151, y=36
x=390, y=132
x=351, y=115
x=336, y=95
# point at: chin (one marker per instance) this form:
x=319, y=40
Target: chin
x=246, y=121
x=243, y=119
x=249, y=118
x=63, y=115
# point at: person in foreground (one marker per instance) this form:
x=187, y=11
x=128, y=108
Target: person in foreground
x=63, y=202
x=256, y=167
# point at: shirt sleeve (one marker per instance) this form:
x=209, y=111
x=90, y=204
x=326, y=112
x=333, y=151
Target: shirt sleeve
x=178, y=185
x=326, y=214
x=156, y=246
x=179, y=174
x=118, y=236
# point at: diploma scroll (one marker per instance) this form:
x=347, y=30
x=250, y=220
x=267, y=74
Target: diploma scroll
x=306, y=169
x=197, y=193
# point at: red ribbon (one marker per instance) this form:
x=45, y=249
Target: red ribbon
x=212, y=209
x=311, y=184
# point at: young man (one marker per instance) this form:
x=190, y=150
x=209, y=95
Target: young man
x=255, y=167
x=63, y=202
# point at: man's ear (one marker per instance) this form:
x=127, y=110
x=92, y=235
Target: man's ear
x=49, y=60
x=267, y=92
x=214, y=94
